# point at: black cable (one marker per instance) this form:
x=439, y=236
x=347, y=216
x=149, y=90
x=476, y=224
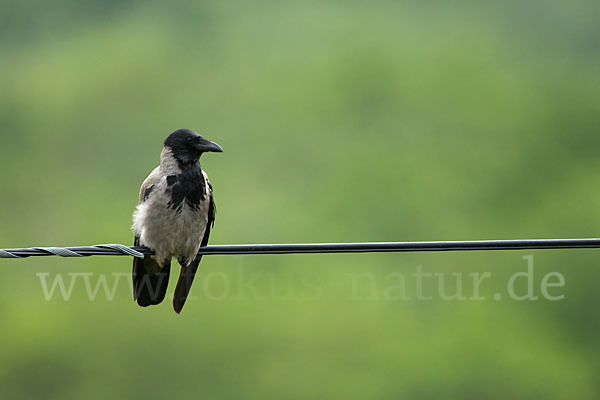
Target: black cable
x=117, y=250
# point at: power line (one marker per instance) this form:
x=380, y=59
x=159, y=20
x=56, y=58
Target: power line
x=368, y=247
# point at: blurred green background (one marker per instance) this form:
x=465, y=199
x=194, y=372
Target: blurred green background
x=341, y=121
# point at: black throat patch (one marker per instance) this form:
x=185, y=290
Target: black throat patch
x=188, y=187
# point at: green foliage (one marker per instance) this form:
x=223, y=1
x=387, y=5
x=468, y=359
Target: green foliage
x=341, y=121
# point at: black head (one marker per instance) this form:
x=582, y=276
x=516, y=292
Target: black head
x=187, y=146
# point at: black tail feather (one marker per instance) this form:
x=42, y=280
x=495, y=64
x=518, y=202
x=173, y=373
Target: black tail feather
x=184, y=284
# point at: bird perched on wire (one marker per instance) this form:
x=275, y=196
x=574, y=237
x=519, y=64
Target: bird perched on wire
x=173, y=218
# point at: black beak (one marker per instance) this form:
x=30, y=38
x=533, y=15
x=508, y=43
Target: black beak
x=207, y=145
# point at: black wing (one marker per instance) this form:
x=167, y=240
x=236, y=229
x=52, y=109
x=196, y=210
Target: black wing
x=150, y=281
x=186, y=277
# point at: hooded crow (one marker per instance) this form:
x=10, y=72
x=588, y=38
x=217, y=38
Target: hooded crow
x=173, y=218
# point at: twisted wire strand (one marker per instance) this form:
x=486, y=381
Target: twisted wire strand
x=365, y=247
x=123, y=249
x=59, y=251
x=6, y=254
x=96, y=250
